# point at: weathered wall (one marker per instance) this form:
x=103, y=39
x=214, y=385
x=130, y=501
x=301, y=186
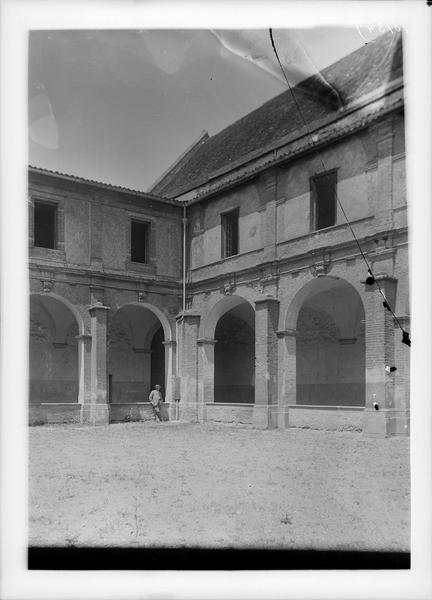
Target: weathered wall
x=53, y=364
x=205, y=225
x=94, y=227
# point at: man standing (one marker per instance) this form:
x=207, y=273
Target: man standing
x=156, y=400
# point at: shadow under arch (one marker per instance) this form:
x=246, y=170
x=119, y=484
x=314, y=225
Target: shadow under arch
x=325, y=325
x=46, y=297
x=54, y=361
x=155, y=310
x=222, y=306
x=137, y=356
x=228, y=339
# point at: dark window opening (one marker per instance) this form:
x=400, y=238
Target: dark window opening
x=45, y=225
x=323, y=190
x=230, y=233
x=140, y=242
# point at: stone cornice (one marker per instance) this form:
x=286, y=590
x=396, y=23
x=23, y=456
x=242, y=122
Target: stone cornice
x=298, y=262
x=93, y=277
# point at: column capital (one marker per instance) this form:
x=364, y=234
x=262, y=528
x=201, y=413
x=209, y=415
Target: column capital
x=85, y=337
x=204, y=341
x=98, y=306
x=267, y=299
x=169, y=343
x=282, y=333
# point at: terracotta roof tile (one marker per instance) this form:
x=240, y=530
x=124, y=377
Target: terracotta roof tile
x=361, y=72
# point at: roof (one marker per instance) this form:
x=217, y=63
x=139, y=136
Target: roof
x=360, y=73
x=99, y=184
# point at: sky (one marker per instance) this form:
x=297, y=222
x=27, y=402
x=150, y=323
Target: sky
x=121, y=106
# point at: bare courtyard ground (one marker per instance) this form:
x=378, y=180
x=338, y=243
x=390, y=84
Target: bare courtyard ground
x=213, y=485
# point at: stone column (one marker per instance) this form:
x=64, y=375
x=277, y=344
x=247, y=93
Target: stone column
x=96, y=412
x=380, y=353
x=170, y=372
x=206, y=375
x=188, y=365
x=287, y=374
x=84, y=368
x=266, y=363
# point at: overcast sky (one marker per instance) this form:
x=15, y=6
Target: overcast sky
x=121, y=106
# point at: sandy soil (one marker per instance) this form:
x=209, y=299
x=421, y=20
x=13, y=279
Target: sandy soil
x=213, y=485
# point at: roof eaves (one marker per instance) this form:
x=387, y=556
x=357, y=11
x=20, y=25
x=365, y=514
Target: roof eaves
x=99, y=184
x=280, y=155
x=169, y=173
x=296, y=135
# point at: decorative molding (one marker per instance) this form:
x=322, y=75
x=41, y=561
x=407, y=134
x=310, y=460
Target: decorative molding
x=228, y=288
x=47, y=285
x=282, y=333
x=266, y=299
x=98, y=306
x=322, y=263
x=204, y=341
x=169, y=343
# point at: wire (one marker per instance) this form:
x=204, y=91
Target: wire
x=405, y=336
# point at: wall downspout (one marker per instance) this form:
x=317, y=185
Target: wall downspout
x=184, y=220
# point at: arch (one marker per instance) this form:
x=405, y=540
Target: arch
x=53, y=349
x=156, y=311
x=133, y=348
x=228, y=352
x=65, y=302
x=311, y=288
x=327, y=316
x=222, y=306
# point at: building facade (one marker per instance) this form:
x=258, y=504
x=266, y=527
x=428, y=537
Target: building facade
x=238, y=282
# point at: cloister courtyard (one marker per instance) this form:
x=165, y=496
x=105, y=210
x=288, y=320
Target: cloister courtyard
x=217, y=485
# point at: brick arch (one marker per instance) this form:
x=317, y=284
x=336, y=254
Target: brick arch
x=222, y=306
x=313, y=287
x=50, y=296
x=156, y=311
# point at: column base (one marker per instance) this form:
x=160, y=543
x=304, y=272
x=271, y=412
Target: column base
x=385, y=422
x=188, y=412
x=266, y=416
x=95, y=414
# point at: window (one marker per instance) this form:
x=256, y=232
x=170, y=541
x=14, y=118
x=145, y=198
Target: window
x=323, y=196
x=140, y=232
x=45, y=217
x=230, y=233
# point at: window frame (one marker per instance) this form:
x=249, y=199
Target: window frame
x=314, y=198
x=224, y=241
x=148, y=226
x=54, y=206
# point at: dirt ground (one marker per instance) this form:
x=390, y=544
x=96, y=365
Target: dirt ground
x=179, y=484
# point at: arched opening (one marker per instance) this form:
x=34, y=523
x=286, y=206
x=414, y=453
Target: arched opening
x=53, y=347
x=234, y=359
x=330, y=345
x=136, y=355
